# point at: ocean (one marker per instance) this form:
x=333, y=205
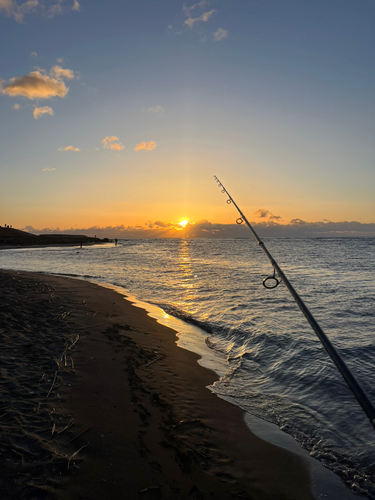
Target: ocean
x=269, y=360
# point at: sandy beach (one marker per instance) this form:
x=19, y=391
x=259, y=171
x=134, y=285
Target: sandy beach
x=97, y=401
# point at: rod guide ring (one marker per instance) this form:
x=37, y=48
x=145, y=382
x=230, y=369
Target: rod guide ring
x=270, y=282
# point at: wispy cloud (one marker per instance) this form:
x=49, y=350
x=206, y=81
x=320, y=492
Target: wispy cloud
x=16, y=106
x=48, y=169
x=156, y=109
x=47, y=8
x=69, y=148
x=201, y=4
x=38, y=84
x=46, y=110
x=159, y=223
x=33, y=54
x=190, y=22
x=58, y=8
x=145, y=146
x=266, y=214
x=12, y=9
x=60, y=72
x=108, y=143
x=55, y=9
x=220, y=34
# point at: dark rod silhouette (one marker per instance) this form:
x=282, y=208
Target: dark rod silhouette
x=349, y=378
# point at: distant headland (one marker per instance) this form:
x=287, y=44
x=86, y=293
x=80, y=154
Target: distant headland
x=10, y=236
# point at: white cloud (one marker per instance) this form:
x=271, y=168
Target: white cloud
x=46, y=110
x=48, y=169
x=108, y=143
x=60, y=60
x=33, y=54
x=156, y=109
x=16, y=106
x=56, y=9
x=59, y=73
x=39, y=85
x=48, y=8
x=12, y=9
x=145, y=146
x=201, y=4
x=220, y=34
x=204, y=18
x=69, y=148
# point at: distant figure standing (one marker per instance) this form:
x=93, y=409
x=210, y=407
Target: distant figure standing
x=81, y=244
x=115, y=242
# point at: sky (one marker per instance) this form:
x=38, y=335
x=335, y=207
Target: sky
x=116, y=115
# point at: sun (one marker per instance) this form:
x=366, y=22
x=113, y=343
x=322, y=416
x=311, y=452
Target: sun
x=183, y=223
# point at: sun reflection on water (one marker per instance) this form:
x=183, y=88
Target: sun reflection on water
x=187, y=279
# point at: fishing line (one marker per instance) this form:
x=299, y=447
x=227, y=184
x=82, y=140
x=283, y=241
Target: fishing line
x=273, y=282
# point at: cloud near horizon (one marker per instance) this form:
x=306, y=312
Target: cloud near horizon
x=297, y=228
x=48, y=169
x=69, y=148
x=145, y=146
x=266, y=214
x=46, y=110
x=38, y=85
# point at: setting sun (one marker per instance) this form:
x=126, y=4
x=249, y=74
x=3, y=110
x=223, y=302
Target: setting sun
x=183, y=223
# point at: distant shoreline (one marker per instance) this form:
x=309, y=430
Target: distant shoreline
x=11, y=237
x=71, y=245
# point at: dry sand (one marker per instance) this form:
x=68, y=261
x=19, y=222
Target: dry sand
x=98, y=402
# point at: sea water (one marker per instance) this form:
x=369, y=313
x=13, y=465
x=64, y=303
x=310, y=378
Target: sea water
x=270, y=361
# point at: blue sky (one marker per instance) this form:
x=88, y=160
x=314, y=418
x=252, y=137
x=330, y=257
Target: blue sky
x=152, y=98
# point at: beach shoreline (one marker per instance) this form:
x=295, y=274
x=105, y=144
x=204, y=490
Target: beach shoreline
x=142, y=422
x=54, y=245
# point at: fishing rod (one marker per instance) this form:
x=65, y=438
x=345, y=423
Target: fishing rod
x=273, y=282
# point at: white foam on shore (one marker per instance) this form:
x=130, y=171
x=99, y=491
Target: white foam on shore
x=190, y=337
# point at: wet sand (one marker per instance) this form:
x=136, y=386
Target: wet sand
x=97, y=401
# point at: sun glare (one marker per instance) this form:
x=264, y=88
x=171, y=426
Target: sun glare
x=183, y=223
